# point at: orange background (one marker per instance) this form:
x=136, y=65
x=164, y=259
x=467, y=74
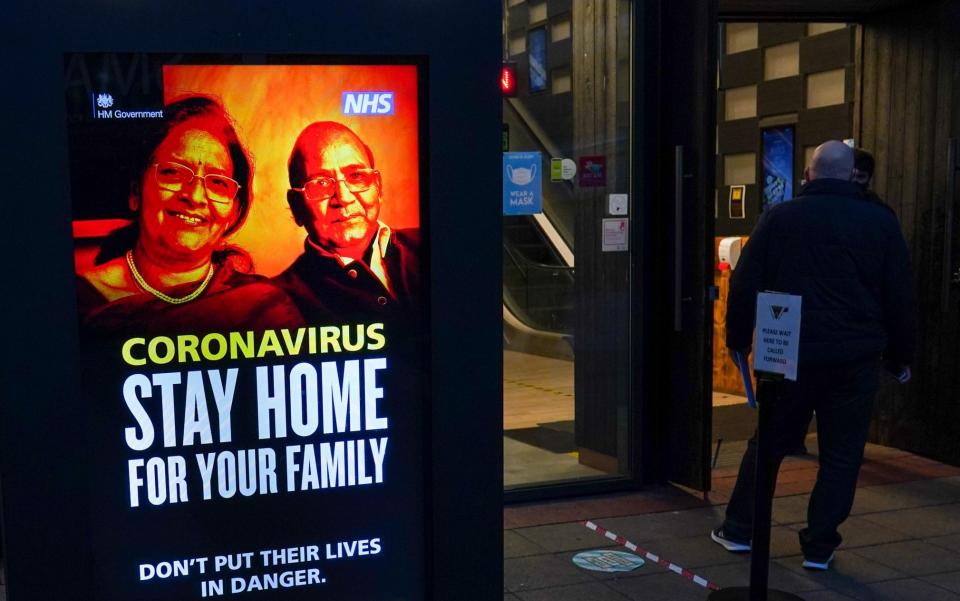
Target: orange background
x=272, y=104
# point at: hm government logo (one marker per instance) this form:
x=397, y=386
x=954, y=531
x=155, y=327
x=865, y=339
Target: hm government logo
x=104, y=109
x=777, y=311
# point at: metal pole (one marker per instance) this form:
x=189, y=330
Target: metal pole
x=766, y=480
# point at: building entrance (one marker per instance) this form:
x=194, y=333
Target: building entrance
x=882, y=78
x=567, y=255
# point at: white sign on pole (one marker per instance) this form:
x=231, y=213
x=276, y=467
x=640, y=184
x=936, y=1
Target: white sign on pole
x=777, y=339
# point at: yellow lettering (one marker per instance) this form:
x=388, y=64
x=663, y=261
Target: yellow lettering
x=187, y=345
x=128, y=354
x=329, y=336
x=152, y=350
x=357, y=344
x=208, y=353
x=377, y=339
x=270, y=344
x=293, y=346
x=241, y=345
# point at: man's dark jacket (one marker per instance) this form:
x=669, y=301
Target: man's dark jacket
x=326, y=292
x=846, y=256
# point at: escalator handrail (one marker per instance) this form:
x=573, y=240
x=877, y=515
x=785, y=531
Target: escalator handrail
x=517, y=258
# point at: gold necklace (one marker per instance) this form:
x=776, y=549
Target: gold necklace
x=173, y=300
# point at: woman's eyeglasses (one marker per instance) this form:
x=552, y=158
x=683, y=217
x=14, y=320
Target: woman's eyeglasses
x=174, y=176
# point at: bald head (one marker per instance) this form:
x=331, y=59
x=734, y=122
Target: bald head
x=335, y=189
x=833, y=160
x=316, y=139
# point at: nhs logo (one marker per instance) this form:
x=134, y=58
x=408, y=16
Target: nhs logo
x=368, y=103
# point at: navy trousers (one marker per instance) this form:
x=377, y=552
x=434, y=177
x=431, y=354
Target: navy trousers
x=842, y=395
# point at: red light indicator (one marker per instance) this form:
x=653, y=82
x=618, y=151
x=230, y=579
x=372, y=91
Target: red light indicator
x=508, y=79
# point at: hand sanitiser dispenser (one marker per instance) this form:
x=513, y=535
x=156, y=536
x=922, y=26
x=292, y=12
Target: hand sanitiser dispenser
x=729, y=253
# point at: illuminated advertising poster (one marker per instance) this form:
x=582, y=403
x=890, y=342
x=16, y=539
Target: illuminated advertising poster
x=777, y=165
x=251, y=296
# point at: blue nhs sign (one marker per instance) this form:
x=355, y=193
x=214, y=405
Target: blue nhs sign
x=368, y=103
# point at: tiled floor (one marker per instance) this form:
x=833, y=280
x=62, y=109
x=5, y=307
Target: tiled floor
x=902, y=542
x=537, y=390
x=540, y=390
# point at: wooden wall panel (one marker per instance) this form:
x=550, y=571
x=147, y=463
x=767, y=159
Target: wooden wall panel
x=741, y=69
x=910, y=108
x=602, y=287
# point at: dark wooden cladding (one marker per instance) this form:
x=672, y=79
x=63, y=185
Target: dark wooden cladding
x=741, y=69
x=910, y=108
x=560, y=54
x=805, y=10
x=779, y=96
x=773, y=34
x=518, y=18
x=816, y=126
x=602, y=288
x=736, y=137
x=555, y=7
x=826, y=51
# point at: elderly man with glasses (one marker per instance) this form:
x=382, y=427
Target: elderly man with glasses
x=353, y=264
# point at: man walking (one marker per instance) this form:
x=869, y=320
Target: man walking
x=846, y=257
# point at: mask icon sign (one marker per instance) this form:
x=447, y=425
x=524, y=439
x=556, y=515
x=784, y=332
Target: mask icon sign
x=522, y=183
x=521, y=176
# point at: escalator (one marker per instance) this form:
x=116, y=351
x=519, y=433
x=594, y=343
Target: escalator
x=538, y=270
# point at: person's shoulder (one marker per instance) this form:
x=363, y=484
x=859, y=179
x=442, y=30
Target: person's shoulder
x=409, y=237
x=111, y=279
x=299, y=275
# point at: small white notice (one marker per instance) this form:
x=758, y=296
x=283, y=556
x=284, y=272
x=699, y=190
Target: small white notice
x=615, y=235
x=777, y=340
x=617, y=204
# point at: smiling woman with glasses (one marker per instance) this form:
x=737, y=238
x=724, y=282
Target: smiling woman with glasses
x=191, y=190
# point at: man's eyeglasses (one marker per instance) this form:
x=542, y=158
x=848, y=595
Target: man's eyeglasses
x=324, y=188
x=174, y=176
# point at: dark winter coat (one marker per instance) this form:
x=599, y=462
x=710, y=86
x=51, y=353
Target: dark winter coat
x=846, y=257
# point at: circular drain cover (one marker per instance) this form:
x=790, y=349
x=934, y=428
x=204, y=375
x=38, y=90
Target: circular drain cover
x=605, y=560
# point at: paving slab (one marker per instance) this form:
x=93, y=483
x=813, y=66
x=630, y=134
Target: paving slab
x=695, y=552
x=847, y=572
x=515, y=545
x=790, y=510
x=905, y=590
x=564, y=537
x=921, y=522
x=594, y=591
x=949, y=581
x=907, y=495
x=780, y=577
x=670, y=524
x=915, y=558
x=658, y=587
x=825, y=596
x=860, y=532
x=540, y=571
x=783, y=541
x=951, y=541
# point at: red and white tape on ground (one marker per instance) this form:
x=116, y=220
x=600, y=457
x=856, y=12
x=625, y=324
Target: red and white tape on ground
x=652, y=557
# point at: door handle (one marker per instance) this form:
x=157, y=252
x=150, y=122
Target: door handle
x=678, y=239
